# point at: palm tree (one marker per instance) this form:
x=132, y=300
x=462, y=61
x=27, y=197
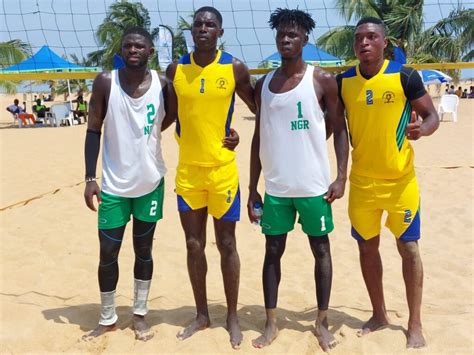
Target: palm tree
x=403, y=20
x=12, y=52
x=448, y=40
x=121, y=15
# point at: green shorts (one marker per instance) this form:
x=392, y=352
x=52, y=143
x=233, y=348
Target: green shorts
x=279, y=215
x=115, y=211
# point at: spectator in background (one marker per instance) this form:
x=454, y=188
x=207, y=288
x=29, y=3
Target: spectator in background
x=39, y=109
x=464, y=94
x=458, y=92
x=471, y=93
x=16, y=109
x=451, y=90
x=81, y=109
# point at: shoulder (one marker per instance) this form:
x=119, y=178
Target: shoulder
x=259, y=83
x=241, y=72
x=322, y=76
x=184, y=59
x=226, y=58
x=349, y=73
x=171, y=71
x=236, y=62
x=408, y=73
x=102, y=82
x=393, y=67
x=103, y=78
x=412, y=83
x=162, y=78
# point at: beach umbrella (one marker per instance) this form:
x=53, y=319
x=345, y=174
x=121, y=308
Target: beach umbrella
x=431, y=76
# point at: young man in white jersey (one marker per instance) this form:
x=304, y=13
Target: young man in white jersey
x=297, y=107
x=129, y=103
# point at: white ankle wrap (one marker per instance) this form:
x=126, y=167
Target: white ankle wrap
x=142, y=288
x=107, y=309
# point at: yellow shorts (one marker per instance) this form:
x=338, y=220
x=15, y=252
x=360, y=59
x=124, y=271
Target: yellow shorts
x=216, y=188
x=369, y=197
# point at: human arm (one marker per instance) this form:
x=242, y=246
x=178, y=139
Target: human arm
x=243, y=87
x=169, y=95
x=430, y=120
x=255, y=164
x=97, y=111
x=421, y=102
x=335, y=116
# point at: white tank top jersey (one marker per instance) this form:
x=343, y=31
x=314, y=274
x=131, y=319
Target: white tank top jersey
x=132, y=161
x=293, y=149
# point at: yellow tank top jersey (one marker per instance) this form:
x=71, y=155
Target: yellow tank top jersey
x=205, y=109
x=378, y=112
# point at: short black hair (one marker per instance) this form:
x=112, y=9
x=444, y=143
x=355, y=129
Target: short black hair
x=209, y=9
x=291, y=17
x=371, y=19
x=137, y=30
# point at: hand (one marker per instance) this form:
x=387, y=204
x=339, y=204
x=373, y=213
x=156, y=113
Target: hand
x=413, y=130
x=335, y=190
x=232, y=140
x=92, y=189
x=254, y=197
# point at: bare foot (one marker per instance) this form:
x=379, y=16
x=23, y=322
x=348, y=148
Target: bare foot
x=415, y=338
x=325, y=338
x=200, y=323
x=233, y=328
x=269, y=335
x=372, y=325
x=97, y=332
x=141, y=329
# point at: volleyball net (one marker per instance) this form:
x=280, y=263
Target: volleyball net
x=86, y=33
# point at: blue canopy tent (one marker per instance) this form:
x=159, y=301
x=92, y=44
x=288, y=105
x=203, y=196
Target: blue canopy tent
x=311, y=54
x=45, y=60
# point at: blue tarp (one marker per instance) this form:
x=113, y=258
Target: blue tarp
x=46, y=60
x=311, y=53
x=118, y=62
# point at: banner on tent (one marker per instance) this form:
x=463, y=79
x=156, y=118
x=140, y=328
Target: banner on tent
x=165, y=47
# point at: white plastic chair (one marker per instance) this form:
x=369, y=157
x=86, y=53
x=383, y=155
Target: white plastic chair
x=16, y=119
x=448, y=104
x=59, y=113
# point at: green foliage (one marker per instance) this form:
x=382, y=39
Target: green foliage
x=121, y=15
x=12, y=52
x=449, y=40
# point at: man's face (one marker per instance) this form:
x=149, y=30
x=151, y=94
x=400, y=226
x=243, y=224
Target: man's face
x=15, y=102
x=206, y=30
x=290, y=40
x=369, y=42
x=136, y=50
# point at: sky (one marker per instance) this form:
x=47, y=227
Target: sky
x=68, y=26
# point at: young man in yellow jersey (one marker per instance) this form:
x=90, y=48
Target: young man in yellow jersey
x=379, y=96
x=202, y=92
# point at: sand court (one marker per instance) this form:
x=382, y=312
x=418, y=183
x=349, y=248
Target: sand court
x=49, y=251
